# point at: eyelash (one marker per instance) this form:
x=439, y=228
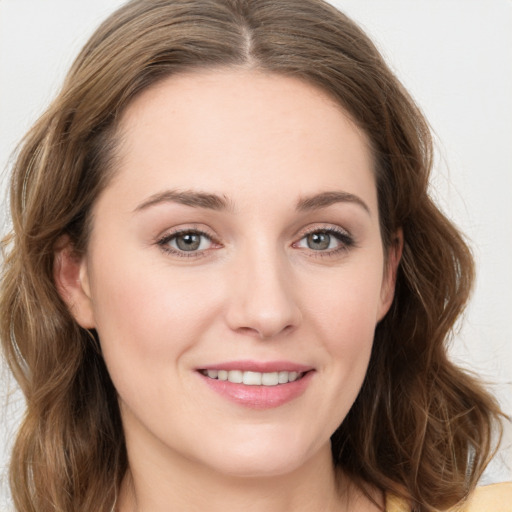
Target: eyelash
x=164, y=241
x=345, y=239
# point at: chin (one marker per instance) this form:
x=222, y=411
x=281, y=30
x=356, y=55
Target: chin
x=258, y=467
x=262, y=456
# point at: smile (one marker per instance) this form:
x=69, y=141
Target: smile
x=250, y=378
x=258, y=385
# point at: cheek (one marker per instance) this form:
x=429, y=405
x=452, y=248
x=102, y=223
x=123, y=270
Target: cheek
x=346, y=305
x=343, y=315
x=349, y=340
x=148, y=313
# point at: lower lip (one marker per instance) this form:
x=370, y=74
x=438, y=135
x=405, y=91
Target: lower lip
x=259, y=397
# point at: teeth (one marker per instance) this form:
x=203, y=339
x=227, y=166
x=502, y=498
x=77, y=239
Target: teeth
x=283, y=377
x=235, y=376
x=253, y=378
x=270, y=379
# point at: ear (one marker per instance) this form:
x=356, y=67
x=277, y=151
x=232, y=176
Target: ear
x=72, y=281
x=394, y=255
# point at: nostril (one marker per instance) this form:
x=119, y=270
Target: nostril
x=248, y=331
x=265, y=332
x=263, y=308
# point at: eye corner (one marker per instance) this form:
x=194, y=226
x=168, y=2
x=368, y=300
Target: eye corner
x=343, y=241
x=194, y=247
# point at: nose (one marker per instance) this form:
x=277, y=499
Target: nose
x=262, y=299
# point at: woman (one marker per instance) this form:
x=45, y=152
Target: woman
x=226, y=284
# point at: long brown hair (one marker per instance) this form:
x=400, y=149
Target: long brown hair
x=420, y=426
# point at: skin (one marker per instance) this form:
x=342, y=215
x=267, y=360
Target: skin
x=255, y=289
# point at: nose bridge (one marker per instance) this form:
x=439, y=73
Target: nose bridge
x=262, y=302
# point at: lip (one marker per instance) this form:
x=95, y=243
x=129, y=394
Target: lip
x=259, y=397
x=259, y=366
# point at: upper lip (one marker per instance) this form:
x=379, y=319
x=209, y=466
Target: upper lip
x=259, y=366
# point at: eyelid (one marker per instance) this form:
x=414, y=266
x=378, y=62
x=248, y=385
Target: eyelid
x=324, y=228
x=163, y=240
x=345, y=238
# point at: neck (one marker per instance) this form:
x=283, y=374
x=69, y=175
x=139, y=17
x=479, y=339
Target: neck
x=162, y=477
x=314, y=486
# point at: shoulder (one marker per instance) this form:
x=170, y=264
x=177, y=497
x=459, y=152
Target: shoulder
x=490, y=498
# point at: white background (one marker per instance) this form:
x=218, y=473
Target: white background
x=455, y=56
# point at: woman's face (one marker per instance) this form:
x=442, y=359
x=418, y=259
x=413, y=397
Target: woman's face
x=238, y=240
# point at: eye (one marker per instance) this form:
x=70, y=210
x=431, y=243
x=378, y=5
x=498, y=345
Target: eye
x=319, y=241
x=189, y=241
x=326, y=240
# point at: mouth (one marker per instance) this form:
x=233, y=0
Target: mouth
x=250, y=378
x=258, y=385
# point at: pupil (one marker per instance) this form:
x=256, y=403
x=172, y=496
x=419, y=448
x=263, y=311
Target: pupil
x=188, y=242
x=319, y=241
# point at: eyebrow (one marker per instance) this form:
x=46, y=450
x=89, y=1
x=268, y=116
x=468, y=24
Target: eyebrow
x=325, y=199
x=187, y=198
x=220, y=203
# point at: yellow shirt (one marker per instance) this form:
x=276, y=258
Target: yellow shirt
x=491, y=498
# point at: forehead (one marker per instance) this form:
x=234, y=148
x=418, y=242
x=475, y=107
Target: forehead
x=242, y=130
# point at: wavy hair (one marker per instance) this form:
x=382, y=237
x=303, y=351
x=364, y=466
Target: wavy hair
x=420, y=427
